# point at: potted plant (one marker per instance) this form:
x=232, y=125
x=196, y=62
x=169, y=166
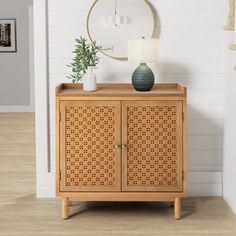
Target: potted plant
x=85, y=60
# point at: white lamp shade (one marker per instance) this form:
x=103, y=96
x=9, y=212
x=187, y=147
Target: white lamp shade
x=144, y=50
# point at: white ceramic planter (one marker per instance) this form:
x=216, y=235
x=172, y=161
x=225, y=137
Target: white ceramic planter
x=90, y=81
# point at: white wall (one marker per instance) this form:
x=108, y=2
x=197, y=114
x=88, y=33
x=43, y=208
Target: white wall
x=230, y=125
x=15, y=90
x=191, y=53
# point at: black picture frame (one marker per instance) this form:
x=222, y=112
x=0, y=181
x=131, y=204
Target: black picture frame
x=8, y=39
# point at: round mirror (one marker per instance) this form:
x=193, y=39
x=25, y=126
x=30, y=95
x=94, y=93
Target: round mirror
x=112, y=22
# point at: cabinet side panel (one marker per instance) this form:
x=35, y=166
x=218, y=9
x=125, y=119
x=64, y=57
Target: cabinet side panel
x=57, y=122
x=185, y=147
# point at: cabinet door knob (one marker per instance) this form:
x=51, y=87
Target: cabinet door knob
x=124, y=146
x=118, y=146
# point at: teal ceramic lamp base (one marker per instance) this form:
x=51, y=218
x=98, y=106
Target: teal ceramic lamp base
x=143, y=78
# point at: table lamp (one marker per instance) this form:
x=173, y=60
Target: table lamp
x=143, y=50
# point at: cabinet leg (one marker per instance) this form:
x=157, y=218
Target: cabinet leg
x=177, y=208
x=65, y=208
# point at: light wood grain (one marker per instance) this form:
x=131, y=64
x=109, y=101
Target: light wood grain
x=120, y=90
x=123, y=196
x=177, y=206
x=57, y=128
x=17, y=156
x=231, y=17
x=185, y=147
x=24, y=215
x=65, y=208
x=145, y=181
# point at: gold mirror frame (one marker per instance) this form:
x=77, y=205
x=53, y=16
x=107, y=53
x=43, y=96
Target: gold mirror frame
x=230, y=26
x=104, y=53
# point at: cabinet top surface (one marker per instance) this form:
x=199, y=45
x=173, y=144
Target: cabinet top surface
x=121, y=90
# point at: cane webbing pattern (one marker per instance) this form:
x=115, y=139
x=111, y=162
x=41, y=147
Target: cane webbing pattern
x=152, y=147
x=90, y=139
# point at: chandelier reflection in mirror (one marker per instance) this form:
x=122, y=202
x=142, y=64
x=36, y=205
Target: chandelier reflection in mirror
x=115, y=21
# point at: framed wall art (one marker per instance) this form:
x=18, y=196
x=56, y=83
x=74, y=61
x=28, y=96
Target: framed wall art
x=8, y=35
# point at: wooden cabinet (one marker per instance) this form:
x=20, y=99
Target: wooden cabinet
x=117, y=144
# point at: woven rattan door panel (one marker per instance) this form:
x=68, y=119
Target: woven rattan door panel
x=89, y=140
x=152, y=150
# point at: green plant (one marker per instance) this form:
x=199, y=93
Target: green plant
x=86, y=55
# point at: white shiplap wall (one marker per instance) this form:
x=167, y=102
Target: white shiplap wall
x=191, y=53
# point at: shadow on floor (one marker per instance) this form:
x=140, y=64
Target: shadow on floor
x=131, y=208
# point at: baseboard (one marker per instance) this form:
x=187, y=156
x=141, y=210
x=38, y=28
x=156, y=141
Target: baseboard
x=205, y=190
x=231, y=204
x=17, y=108
x=46, y=192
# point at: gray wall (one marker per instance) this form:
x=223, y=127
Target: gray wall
x=14, y=67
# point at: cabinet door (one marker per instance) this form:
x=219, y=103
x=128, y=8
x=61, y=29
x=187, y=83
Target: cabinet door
x=89, y=140
x=152, y=150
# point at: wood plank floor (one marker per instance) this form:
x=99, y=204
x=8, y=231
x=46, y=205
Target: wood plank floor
x=22, y=214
